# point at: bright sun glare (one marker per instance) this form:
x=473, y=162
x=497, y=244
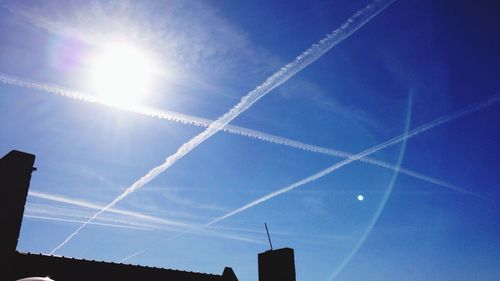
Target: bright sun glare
x=121, y=74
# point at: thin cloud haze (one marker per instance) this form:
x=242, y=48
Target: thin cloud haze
x=126, y=219
x=82, y=221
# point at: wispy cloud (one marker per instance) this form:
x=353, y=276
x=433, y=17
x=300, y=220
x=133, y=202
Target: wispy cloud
x=186, y=202
x=274, y=232
x=125, y=219
x=203, y=41
x=82, y=221
x=309, y=56
x=82, y=203
x=72, y=212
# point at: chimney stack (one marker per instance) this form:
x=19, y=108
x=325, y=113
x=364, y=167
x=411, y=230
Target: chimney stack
x=15, y=175
x=277, y=265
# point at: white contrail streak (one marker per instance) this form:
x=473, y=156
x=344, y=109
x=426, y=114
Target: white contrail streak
x=76, y=95
x=355, y=22
x=202, y=122
x=82, y=221
x=85, y=204
x=410, y=134
x=156, y=222
x=57, y=211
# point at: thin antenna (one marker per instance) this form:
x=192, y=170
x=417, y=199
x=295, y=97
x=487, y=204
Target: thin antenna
x=268, y=237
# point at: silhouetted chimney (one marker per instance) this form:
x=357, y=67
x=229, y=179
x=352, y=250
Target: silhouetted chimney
x=277, y=265
x=15, y=176
x=228, y=275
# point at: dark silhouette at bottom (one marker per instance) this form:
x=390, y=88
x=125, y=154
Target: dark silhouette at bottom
x=277, y=265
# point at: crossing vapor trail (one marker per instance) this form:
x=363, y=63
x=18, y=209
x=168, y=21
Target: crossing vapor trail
x=310, y=55
x=203, y=122
x=336, y=166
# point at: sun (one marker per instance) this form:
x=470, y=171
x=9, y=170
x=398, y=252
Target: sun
x=121, y=74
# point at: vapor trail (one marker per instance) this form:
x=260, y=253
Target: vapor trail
x=342, y=154
x=153, y=223
x=81, y=221
x=203, y=122
x=355, y=22
x=77, y=95
x=395, y=140
x=85, y=204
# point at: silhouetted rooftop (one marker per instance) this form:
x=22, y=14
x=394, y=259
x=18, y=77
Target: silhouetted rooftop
x=15, y=175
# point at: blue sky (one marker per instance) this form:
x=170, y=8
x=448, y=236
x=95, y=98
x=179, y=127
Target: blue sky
x=430, y=206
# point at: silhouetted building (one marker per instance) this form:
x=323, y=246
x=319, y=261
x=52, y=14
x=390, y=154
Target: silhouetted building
x=277, y=265
x=15, y=175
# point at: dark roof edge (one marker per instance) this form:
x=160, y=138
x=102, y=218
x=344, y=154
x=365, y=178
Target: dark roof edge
x=115, y=263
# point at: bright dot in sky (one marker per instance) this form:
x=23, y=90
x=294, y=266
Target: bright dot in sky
x=361, y=197
x=121, y=74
